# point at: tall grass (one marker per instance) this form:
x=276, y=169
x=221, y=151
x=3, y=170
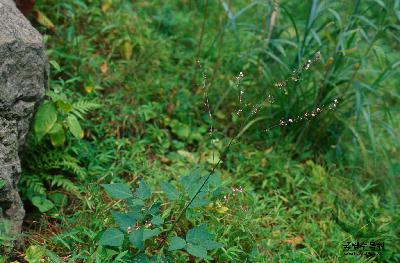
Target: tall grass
x=357, y=41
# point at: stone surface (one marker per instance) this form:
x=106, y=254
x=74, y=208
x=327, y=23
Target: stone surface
x=23, y=78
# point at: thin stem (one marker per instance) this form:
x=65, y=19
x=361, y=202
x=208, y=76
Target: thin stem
x=241, y=131
x=200, y=43
x=307, y=116
x=203, y=25
x=196, y=194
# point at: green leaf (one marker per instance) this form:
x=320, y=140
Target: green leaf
x=143, y=192
x=57, y=135
x=176, y=243
x=215, y=180
x=170, y=191
x=182, y=130
x=118, y=190
x=135, y=205
x=125, y=220
x=59, y=199
x=112, y=237
x=154, y=209
x=45, y=119
x=136, y=238
x=210, y=245
x=157, y=220
x=198, y=235
x=34, y=254
x=74, y=126
x=55, y=65
x=199, y=202
x=42, y=203
x=136, y=202
x=192, y=182
x=197, y=251
x=63, y=106
x=149, y=233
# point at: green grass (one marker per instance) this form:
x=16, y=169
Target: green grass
x=308, y=187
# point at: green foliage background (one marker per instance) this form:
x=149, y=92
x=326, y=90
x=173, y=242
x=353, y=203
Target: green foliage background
x=133, y=75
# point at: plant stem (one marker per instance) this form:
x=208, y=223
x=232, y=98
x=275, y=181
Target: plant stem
x=197, y=192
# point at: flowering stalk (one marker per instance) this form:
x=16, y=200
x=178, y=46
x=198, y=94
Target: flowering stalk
x=305, y=116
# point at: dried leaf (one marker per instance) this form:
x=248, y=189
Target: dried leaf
x=294, y=240
x=103, y=68
x=44, y=20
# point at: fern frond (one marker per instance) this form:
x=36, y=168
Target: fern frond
x=61, y=182
x=83, y=107
x=62, y=160
x=33, y=183
x=74, y=168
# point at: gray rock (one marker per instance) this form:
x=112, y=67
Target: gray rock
x=23, y=79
